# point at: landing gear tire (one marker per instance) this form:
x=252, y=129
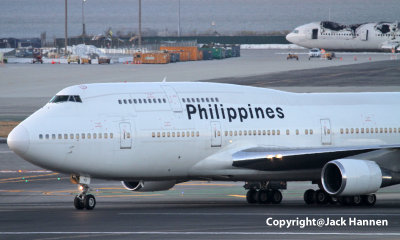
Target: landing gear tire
x=90, y=202
x=369, y=200
x=346, y=200
x=322, y=197
x=275, y=196
x=84, y=200
x=251, y=196
x=262, y=196
x=78, y=203
x=357, y=200
x=310, y=196
x=333, y=200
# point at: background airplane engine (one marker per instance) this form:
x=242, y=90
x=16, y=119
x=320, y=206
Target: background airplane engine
x=347, y=177
x=148, y=186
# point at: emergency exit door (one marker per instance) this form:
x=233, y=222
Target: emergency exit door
x=125, y=135
x=326, y=138
x=216, y=135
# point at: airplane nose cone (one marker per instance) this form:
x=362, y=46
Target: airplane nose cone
x=18, y=140
x=289, y=37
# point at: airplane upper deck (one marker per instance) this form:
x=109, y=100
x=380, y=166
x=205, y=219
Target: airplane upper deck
x=93, y=90
x=99, y=89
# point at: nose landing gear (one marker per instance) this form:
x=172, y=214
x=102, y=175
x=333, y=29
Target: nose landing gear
x=83, y=200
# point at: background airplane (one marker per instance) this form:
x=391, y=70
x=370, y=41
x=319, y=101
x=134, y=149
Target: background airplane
x=357, y=37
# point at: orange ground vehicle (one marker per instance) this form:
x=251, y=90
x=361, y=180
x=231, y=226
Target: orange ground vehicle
x=292, y=56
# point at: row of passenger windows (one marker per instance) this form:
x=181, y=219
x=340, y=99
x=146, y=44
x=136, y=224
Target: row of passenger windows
x=176, y=134
x=264, y=132
x=387, y=35
x=77, y=136
x=368, y=130
x=142, y=100
x=194, y=100
x=163, y=100
x=338, y=34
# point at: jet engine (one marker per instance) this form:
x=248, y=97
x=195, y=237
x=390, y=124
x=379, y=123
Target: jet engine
x=349, y=177
x=148, y=186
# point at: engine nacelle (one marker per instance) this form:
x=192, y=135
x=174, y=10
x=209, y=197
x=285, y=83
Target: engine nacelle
x=148, y=186
x=347, y=177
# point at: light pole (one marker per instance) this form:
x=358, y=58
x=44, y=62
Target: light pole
x=140, y=23
x=83, y=18
x=66, y=26
x=179, y=18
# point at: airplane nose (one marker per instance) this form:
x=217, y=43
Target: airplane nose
x=289, y=37
x=18, y=140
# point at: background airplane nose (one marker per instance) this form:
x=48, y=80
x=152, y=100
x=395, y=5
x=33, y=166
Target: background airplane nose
x=289, y=37
x=18, y=140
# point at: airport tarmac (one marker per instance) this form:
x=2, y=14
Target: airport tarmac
x=263, y=68
x=37, y=204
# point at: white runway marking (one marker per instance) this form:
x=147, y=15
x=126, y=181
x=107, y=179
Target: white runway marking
x=213, y=233
x=268, y=214
x=5, y=152
x=25, y=171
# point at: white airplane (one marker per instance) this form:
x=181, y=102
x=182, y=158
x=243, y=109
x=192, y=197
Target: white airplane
x=152, y=136
x=358, y=37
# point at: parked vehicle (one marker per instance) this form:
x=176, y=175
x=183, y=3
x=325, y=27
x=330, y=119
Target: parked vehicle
x=105, y=60
x=314, y=53
x=73, y=58
x=37, y=58
x=86, y=59
x=292, y=56
x=328, y=55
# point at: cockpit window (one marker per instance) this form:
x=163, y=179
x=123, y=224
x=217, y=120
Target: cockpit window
x=295, y=31
x=66, y=98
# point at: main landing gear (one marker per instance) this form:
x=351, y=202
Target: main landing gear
x=83, y=200
x=321, y=197
x=264, y=192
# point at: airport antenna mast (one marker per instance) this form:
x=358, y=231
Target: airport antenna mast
x=140, y=23
x=83, y=19
x=179, y=18
x=66, y=26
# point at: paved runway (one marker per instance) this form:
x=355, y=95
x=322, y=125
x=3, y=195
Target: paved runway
x=37, y=204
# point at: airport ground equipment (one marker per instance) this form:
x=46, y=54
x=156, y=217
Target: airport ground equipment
x=105, y=60
x=73, y=58
x=292, y=56
x=37, y=59
x=86, y=59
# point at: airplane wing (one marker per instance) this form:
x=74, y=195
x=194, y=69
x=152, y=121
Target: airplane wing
x=260, y=158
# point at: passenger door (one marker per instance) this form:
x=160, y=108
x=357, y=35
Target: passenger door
x=326, y=138
x=315, y=33
x=216, y=135
x=125, y=135
x=364, y=35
